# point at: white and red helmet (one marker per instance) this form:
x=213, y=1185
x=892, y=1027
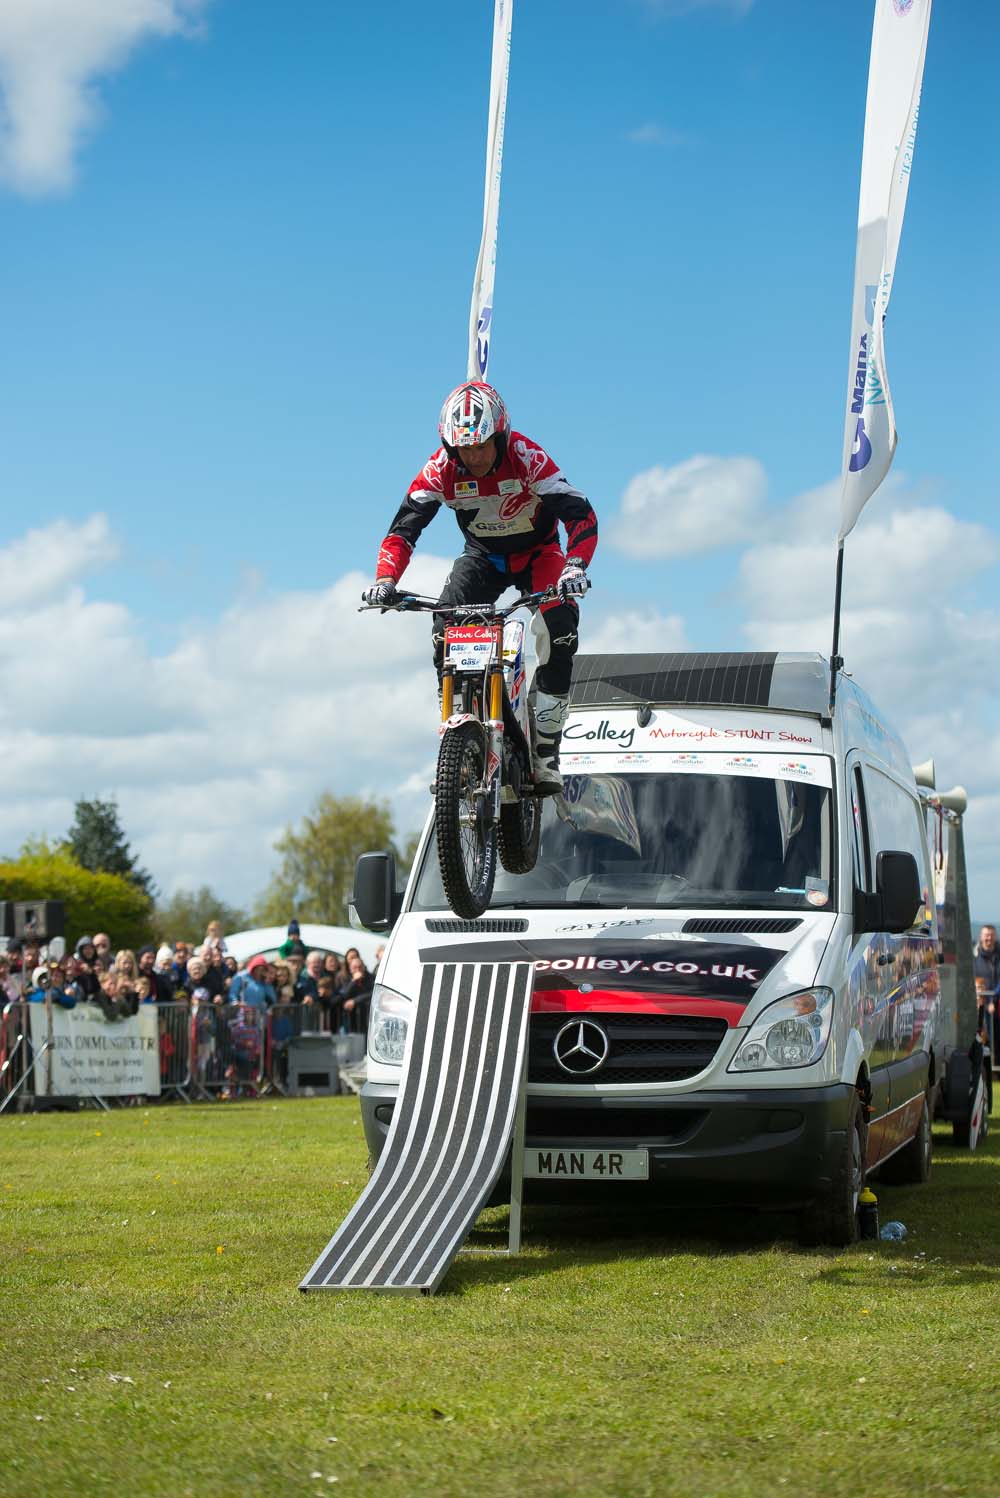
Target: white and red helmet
x=471, y=414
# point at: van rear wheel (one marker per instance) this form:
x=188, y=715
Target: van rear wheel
x=833, y=1218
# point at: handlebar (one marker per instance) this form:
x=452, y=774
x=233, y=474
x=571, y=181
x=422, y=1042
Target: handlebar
x=414, y=603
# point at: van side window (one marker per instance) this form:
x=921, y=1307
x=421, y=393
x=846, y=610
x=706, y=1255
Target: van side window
x=897, y=822
x=860, y=840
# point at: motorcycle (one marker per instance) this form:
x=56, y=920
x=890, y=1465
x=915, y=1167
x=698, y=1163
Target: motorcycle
x=486, y=802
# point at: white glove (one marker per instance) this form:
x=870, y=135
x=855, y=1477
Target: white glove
x=573, y=581
x=382, y=590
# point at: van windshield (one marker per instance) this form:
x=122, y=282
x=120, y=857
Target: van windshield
x=666, y=840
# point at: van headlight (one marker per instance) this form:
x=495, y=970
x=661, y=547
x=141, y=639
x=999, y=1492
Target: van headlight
x=387, y=1025
x=790, y=1032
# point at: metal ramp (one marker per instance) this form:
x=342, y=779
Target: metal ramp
x=462, y=1082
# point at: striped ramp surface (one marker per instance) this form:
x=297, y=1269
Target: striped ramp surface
x=450, y=1132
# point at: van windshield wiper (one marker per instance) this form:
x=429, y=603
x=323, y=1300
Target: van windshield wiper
x=557, y=905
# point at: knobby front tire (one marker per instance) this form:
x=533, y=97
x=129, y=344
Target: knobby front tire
x=466, y=838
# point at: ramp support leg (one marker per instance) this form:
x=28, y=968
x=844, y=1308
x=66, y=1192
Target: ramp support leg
x=517, y=1160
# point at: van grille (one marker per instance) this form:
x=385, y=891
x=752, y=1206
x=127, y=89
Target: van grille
x=757, y=925
x=458, y=927
x=642, y=1047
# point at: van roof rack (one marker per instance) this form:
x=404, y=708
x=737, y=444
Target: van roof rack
x=786, y=681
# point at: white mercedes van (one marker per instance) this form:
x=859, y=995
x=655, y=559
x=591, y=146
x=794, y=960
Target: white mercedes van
x=733, y=930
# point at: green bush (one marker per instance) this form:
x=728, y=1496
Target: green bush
x=94, y=902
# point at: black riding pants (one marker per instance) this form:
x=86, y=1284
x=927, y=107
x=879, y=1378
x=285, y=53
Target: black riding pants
x=477, y=578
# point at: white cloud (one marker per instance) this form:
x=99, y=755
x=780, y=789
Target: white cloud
x=40, y=564
x=639, y=629
x=698, y=505
x=52, y=52
x=654, y=134
x=908, y=633
x=212, y=747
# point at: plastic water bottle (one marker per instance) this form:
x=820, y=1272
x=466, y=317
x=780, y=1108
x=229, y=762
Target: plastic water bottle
x=894, y=1232
x=868, y=1213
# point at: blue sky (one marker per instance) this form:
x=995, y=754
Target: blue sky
x=234, y=299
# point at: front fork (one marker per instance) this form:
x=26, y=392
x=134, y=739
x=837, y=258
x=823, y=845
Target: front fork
x=491, y=789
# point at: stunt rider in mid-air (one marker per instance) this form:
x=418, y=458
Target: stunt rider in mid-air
x=508, y=497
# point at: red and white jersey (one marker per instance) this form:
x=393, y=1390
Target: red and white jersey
x=514, y=510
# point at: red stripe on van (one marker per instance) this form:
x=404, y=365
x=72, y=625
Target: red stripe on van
x=620, y=1001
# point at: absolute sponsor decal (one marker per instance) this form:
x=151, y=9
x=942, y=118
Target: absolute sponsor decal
x=466, y=489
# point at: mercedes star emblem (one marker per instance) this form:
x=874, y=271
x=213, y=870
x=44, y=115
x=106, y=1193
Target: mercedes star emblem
x=581, y=1047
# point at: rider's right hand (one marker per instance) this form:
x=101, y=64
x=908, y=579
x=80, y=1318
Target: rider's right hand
x=382, y=591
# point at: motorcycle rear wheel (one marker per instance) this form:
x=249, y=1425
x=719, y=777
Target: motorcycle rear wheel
x=466, y=832
x=518, y=834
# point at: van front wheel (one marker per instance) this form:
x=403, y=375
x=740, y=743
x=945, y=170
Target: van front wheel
x=833, y=1218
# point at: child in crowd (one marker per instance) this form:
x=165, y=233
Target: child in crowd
x=205, y=1029
x=244, y=1036
x=327, y=999
x=214, y=939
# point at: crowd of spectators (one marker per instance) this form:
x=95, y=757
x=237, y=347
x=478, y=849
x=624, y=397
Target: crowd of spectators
x=986, y=968
x=207, y=975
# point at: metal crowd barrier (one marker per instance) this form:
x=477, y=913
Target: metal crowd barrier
x=227, y=1046
x=175, y=1048
x=206, y=1050
x=16, y=1053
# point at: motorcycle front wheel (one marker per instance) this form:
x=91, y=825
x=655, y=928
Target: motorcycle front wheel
x=466, y=832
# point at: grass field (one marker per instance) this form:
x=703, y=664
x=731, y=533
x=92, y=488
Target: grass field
x=155, y=1341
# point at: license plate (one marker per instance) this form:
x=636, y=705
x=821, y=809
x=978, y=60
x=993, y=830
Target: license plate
x=586, y=1165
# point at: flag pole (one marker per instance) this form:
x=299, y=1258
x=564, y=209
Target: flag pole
x=836, y=659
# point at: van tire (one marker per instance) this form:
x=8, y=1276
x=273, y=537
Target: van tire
x=911, y=1165
x=833, y=1217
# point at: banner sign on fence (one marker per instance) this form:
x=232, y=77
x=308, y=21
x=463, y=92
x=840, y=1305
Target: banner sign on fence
x=481, y=320
x=90, y=1054
x=899, y=43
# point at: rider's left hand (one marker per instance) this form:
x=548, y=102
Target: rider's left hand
x=573, y=582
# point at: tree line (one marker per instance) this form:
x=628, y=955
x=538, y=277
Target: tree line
x=94, y=871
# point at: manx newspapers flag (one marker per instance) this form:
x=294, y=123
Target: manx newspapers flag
x=481, y=318
x=899, y=42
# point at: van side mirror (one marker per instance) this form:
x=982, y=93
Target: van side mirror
x=898, y=883
x=897, y=898
x=375, y=902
